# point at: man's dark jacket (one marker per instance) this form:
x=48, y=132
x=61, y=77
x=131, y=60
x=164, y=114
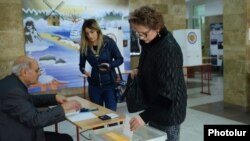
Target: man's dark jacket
x=19, y=118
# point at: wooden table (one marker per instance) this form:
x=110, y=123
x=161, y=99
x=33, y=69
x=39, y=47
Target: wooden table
x=205, y=70
x=89, y=124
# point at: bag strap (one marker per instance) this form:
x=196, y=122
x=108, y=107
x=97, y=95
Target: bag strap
x=120, y=74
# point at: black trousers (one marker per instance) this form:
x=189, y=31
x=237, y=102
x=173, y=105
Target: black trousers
x=53, y=136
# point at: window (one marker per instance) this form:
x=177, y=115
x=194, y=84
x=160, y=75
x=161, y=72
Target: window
x=197, y=19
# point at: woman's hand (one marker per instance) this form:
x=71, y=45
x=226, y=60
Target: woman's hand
x=136, y=122
x=134, y=73
x=88, y=74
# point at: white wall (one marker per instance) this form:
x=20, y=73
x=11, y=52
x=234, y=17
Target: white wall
x=190, y=4
x=212, y=7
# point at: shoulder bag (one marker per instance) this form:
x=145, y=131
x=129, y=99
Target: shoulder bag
x=134, y=96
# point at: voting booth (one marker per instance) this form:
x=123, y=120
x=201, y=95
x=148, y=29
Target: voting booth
x=190, y=43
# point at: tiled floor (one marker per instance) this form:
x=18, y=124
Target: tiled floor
x=202, y=109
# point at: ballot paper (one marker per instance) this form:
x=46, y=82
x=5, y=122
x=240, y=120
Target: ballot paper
x=112, y=115
x=78, y=116
x=126, y=127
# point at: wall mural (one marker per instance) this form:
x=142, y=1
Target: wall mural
x=52, y=35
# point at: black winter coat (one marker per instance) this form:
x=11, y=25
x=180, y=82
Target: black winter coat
x=162, y=80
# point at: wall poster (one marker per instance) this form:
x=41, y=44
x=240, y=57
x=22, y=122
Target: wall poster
x=52, y=31
x=216, y=43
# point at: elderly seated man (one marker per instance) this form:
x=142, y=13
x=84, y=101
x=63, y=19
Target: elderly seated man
x=20, y=120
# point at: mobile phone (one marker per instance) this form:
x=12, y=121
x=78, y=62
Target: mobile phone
x=102, y=66
x=104, y=117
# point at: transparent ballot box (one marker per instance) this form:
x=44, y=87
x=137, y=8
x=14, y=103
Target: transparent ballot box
x=145, y=133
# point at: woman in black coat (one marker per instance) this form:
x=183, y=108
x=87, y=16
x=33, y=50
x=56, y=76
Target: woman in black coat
x=160, y=74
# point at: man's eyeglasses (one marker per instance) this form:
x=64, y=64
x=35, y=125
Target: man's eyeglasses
x=142, y=34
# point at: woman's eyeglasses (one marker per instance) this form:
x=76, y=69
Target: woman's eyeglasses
x=142, y=34
x=38, y=70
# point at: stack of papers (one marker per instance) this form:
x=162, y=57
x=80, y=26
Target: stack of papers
x=112, y=115
x=78, y=116
x=72, y=113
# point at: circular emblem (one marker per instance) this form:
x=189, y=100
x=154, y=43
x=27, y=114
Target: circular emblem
x=192, y=37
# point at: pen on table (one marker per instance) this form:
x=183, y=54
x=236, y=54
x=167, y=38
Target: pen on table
x=88, y=110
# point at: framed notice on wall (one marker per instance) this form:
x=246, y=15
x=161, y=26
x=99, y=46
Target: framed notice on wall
x=216, y=43
x=190, y=43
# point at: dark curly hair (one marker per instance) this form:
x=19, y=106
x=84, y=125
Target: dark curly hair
x=147, y=16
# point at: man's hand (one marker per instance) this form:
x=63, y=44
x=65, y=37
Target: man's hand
x=136, y=122
x=61, y=99
x=71, y=105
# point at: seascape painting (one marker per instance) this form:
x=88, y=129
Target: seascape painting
x=52, y=36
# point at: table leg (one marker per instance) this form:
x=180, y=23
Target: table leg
x=77, y=134
x=56, y=127
x=205, y=70
x=84, y=86
x=201, y=79
x=209, y=77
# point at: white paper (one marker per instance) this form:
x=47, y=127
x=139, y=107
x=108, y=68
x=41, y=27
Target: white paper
x=81, y=116
x=72, y=113
x=126, y=127
x=112, y=115
x=88, y=67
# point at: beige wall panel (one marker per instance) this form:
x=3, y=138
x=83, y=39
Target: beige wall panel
x=234, y=39
x=12, y=19
x=12, y=44
x=11, y=1
x=234, y=7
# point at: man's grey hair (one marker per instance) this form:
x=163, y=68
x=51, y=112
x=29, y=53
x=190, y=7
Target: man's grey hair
x=16, y=68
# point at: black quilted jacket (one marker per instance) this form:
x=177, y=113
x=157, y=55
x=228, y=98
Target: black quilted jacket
x=162, y=80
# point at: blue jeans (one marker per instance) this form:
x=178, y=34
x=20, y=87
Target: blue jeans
x=103, y=95
x=173, y=132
